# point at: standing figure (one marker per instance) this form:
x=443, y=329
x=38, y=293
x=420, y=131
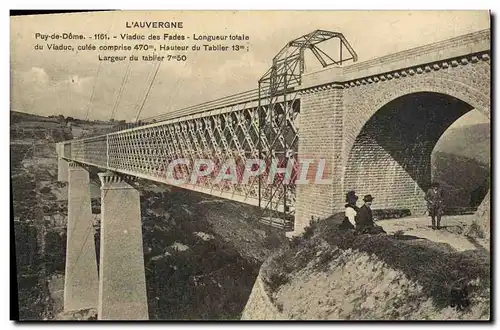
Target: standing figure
x=350, y=211
x=364, y=218
x=434, y=199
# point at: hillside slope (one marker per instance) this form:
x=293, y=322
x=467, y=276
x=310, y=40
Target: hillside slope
x=38, y=212
x=202, y=254
x=473, y=142
x=465, y=181
x=461, y=163
x=335, y=275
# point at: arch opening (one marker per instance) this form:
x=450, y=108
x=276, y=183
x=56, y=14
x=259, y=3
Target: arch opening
x=391, y=157
x=460, y=163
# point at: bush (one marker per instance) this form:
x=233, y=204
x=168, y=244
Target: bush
x=475, y=230
x=45, y=190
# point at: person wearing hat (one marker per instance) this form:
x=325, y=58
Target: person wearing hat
x=434, y=199
x=364, y=219
x=350, y=211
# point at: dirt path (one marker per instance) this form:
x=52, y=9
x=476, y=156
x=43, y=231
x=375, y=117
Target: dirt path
x=452, y=232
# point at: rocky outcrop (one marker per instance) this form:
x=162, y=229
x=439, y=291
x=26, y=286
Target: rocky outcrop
x=353, y=286
x=357, y=286
x=259, y=305
x=483, y=218
x=329, y=274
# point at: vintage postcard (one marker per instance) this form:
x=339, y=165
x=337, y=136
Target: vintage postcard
x=251, y=165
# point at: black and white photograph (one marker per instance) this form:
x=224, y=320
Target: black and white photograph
x=241, y=165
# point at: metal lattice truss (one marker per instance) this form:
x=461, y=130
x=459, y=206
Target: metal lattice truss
x=279, y=83
x=289, y=64
x=230, y=132
x=260, y=124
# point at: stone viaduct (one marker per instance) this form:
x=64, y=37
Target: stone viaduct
x=375, y=123
x=379, y=120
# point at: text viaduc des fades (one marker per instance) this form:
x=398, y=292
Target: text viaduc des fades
x=181, y=37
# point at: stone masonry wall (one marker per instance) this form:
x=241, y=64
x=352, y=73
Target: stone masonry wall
x=374, y=171
x=320, y=138
x=483, y=216
x=467, y=79
x=391, y=157
x=332, y=119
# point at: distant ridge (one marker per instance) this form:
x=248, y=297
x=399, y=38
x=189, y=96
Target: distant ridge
x=472, y=141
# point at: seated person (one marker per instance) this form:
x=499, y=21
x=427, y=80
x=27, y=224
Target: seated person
x=350, y=211
x=364, y=218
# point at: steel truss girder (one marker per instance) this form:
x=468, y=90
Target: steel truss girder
x=230, y=132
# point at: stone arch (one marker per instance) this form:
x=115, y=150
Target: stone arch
x=364, y=106
x=360, y=120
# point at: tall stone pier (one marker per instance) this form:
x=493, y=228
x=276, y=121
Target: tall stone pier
x=320, y=141
x=122, y=282
x=81, y=278
x=62, y=164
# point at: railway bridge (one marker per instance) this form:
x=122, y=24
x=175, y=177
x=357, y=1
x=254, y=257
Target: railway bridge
x=369, y=126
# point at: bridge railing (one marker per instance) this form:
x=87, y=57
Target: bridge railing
x=231, y=100
x=223, y=102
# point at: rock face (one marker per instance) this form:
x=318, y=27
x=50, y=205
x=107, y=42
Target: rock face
x=80, y=315
x=259, y=305
x=329, y=274
x=39, y=213
x=355, y=286
x=202, y=255
x=483, y=216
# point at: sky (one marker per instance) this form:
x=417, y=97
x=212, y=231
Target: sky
x=48, y=82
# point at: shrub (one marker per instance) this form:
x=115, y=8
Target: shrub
x=45, y=190
x=475, y=230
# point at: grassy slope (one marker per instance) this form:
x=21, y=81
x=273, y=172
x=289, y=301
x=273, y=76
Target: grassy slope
x=434, y=271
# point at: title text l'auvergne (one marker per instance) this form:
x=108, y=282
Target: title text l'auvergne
x=154, y=25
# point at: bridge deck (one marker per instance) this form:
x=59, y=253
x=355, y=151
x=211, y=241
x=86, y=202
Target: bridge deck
x=228, y=131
